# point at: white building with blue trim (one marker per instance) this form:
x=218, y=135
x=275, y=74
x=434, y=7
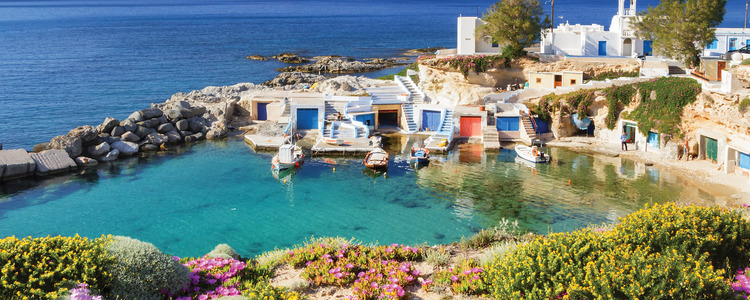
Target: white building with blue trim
x=727, y=39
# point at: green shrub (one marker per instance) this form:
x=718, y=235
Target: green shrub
x=223, y=251
x=45, y=268
x=265, y=291
x=437, y=257
x=465, y=278
x=617, y=95
x=744, y=104
x=615, y=74
x=745, y=62
x=141, y=271
x=724, y=235
x=481, y=239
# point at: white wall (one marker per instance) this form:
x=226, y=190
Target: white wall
x=466, y=39
x=566, y=42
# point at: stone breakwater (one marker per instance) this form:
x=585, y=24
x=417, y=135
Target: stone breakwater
x=210, y=113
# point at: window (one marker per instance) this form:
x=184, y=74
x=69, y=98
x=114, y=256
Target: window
x=572, y=82
x=538, y=80
x=733, y=44
x=713, y=45
x=495, y=45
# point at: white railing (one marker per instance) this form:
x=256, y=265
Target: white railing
x=400, y=80
x=351, y=119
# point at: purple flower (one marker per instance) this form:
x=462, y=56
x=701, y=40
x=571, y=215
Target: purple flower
x=454, y=278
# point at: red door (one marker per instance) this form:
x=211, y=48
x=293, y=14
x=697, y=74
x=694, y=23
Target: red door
x=471, y=126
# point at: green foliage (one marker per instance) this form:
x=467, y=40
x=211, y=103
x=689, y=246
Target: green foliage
x=663, y=252
x=665, y=112
x=681, y=29
x=694, y=230
x=617, y=94
x=223, y=251
x=516, y=23
x=465, y=278
x=45, y=268
x=481, y=239
x=413, y=66
x=466, y=63
x=744, y=104
x=615, y=74
x=264, y=290
x=437, y=257
x=141, y=271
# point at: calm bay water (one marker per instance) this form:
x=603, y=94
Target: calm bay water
x=69, y=63
x=222, y=192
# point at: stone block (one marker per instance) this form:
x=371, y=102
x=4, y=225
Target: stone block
x=16, y=164
x=52, y=161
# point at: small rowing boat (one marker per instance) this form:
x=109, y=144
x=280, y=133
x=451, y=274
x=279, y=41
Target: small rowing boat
x=331, y=141
x=376, y=159
x=531, y=154
x=419, y=157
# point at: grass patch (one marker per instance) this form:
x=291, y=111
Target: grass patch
x=744, y=104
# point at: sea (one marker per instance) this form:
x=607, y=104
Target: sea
x=69, y=63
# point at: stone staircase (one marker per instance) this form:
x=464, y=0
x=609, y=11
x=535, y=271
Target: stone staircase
x=447, y=122
x=415, y=96
x=528, y=127
x=411, y=124
x=490, y=138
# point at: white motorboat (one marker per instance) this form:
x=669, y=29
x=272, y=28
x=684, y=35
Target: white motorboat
x=532, y=154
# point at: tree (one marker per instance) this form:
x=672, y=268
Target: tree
x=681, y=29
x=515, y=23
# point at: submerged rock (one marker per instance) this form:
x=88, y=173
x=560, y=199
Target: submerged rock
x=256, y=57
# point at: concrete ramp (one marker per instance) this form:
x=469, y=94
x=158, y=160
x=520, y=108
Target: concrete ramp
x=16, y=164
x=52, y=161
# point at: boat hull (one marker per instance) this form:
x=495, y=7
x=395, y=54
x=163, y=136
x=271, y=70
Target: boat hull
x=376, y=159
x=525, y=152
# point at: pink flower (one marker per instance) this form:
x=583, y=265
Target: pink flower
x=454, y=278
x=389, y=249
x=374, y=284
x=349, y=266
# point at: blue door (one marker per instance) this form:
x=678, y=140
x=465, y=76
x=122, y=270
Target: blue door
x=602, y=48
x=430, y=120
x=744, y=160
x=368, y=119
x=507, y=123
x=653, y=139
x=262, y=112
x=732, y=44
x=307, y=118
x=647, y=48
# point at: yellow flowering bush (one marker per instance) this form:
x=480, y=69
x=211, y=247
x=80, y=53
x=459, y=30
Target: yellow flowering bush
x=263, y=290
x=663, y=252
x=44, y=268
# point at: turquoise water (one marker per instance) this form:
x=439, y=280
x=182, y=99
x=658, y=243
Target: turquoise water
x=194, y=198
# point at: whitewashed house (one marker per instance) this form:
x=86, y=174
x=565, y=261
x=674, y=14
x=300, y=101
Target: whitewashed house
x=468, y=43
x=727, y=39
x=593, y=40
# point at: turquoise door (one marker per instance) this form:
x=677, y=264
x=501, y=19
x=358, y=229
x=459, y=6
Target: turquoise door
x=307, y=118
x=647, y=48
x=507, y=123
x=653, y=139
x=430, y=120
x=744, y=160
x=602, y=48
x=262, y=112
x=712, y=149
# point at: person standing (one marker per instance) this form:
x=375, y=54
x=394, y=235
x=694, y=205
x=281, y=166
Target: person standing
x=624, y=140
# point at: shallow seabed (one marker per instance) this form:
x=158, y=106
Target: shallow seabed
x=196, y=197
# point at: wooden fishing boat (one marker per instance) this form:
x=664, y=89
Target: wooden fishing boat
x=419, y=157
x=289, y=156
x=376, y=159
x=531, y=154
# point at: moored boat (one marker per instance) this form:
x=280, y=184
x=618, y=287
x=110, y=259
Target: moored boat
x=376, y=159
x=331, y=141
x=419, y=157
x=289, y=156
x=531, y=154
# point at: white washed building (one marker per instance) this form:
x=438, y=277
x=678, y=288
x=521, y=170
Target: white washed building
x=593, y=40
x=468, y=43
x=727, y=39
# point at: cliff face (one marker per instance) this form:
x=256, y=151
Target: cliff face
x=449, y=87
x=717, y=112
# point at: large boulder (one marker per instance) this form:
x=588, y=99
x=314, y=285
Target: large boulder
x=71, y=144
x=166, y=127
x=85, y=133
x=52, y=161
x=181, y=125
x=182, y=110
x=129, y=125
x=216, y=133
x=125, y=147
x=118, y=131
x=197, y=124
x=108, y=125
x=157, y=138
x=98, y=150
x=173, y=137
x=15, y=164
x=149, y=113
x=40, y=147
x=112, y=155
x=130, y=137
x=83, y=161
x=142, y=132
x=135, y=117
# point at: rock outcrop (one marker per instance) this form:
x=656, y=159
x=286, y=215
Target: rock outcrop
x=297, y=79
x=347, y=85
x=336, y=66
